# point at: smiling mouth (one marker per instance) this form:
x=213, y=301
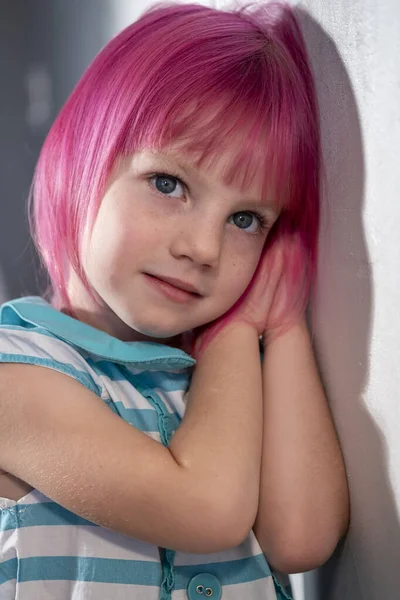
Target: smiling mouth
x=173, y=291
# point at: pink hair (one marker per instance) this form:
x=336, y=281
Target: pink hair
x=244, y=73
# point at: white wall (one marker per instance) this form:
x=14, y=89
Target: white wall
x=355, y=50
x=357, y=317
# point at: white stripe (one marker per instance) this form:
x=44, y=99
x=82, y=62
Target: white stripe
x=36, y=344
x=7, y=590
x=175, y=402
x=262, y=589
x=32, y=497
x=250, y=547
x=95, y=542
x=6, y=502
x=8, y=542
x=123, y=391
x=81, y=590
x=154, y=435
x=42, y=346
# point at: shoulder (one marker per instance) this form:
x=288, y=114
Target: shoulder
x=29, y=343
x=36, y=346
x=34, y=332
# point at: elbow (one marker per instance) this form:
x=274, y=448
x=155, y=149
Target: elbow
x=303, y=544
x=299, y=558
x=213, y=518
x=235, y=531
x=301, y=552
x=236, y=518
x=221, y=527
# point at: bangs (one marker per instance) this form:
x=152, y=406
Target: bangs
x=242, y=106
x=237, y=141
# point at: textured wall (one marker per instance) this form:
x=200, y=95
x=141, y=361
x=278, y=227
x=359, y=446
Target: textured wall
x=355, y=49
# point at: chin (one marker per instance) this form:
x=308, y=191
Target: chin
x=151, y=330
x=158, y=335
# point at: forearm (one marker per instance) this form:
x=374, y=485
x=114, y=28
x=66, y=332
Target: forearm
x=220, y=438
x=304, y=503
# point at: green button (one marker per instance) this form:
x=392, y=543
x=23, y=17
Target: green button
x=204, y=586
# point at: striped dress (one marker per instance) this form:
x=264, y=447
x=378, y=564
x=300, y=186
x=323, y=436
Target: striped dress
x=48, y=552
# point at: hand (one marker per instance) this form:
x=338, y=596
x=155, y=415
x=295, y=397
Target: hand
x=254, y=306
x=269, y=304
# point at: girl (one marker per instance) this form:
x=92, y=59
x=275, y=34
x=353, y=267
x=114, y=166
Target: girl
x=175, y=207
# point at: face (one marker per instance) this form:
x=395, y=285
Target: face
x=172, y=247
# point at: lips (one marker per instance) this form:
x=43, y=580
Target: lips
x=178, y=283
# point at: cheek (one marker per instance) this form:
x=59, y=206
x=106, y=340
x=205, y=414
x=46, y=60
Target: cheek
x=117, y=236
x=103, y=251
x=238, y=274
x=102, y=244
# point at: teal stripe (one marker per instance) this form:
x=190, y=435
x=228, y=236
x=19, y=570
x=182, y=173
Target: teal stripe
x=166, y=423
x=41, y=514
x=281, y=592
x=228, y=573
x=168, y=382
x=66, y=368
x=8, y=570
x=99, y=570
x=164, y=417
x=145, y=419
x=8, y=519
x=108, y=570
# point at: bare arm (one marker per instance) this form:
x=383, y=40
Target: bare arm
x=201, y=495
x=304, y=505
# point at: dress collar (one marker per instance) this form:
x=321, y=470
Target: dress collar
x=33, y=310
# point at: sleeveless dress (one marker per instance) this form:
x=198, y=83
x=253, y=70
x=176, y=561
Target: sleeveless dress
x=48, y=552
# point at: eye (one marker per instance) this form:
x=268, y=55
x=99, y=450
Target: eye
x=168, y=185
x=250, y=222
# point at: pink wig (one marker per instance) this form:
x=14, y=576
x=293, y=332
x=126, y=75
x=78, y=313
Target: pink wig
x=216, y=79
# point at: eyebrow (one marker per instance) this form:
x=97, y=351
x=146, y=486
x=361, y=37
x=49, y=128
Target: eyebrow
x=191, y=171
x=172, y=161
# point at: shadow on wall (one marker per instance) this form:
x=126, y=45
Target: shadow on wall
x=365, y=565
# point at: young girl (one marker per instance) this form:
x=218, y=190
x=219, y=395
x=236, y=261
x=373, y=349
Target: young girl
x=175, y=207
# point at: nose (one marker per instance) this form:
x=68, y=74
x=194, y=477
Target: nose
x=199, y=241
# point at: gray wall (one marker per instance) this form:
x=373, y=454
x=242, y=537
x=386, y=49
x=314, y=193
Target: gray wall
x=44, y=47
